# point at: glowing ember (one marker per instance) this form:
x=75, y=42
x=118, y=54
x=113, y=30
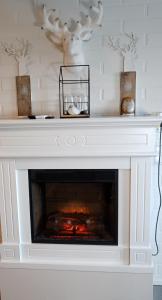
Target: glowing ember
x=73, y=224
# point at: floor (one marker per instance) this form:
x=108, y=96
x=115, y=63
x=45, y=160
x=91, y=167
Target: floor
x=157, y=292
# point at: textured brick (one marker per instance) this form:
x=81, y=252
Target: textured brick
x=134, y=11
x=8, y=84
x=44, y=95
x=144, y=25
x=151, y=95
x=112, y=26
x=48, y=83
x=154, y=10
x=154, y=40
x=137, y=1
x=35, y=83
x=9, y=104
x=8, y=70
x=45, y=107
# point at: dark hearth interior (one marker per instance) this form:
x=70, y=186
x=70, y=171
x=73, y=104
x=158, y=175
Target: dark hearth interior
x=74, y=206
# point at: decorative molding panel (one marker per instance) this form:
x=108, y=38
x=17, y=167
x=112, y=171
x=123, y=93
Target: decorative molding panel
x=10, y=252
x=8, y=203
x=95, y=137
x=94, y=256
x=140, y=206
x=140, y=256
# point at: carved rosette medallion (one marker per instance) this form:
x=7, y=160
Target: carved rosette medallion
x=71, y=141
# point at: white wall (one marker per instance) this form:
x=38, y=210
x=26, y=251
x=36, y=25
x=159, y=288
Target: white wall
x=143, y=17
x=155, y=204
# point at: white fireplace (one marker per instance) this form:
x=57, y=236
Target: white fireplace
x=60, y=271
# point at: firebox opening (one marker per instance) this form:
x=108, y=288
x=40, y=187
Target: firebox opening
x=74, y=206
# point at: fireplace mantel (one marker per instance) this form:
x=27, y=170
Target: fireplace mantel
x=118, y=121
x=112, y=136
x=128, y=144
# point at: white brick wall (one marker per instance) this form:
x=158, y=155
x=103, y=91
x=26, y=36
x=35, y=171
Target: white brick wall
x=143, y=17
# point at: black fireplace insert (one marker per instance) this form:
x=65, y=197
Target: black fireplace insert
x=74, y=206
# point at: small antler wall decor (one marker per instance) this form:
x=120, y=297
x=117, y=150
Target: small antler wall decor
x=20, y=51
x=124, y=45
x=70, y=41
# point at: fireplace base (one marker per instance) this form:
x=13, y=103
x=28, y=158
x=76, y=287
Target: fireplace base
x=50, y=284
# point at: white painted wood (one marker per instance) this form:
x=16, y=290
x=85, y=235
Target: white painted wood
x=8, y=203
x=23, y=206
x=81, y=163
x=39, y=284
x=140, y=211
x=124, y=208
x=96, y=137
x=80, y=258
x=73, y=254
x=10, y=252
x=124, y=121
x=95, y=143
x=111, y=268
x=9, y=211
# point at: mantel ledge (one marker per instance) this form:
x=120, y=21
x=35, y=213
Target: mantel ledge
x=137, y=121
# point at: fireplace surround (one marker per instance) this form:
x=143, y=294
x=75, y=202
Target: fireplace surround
x=74, y=206
x=127, y=145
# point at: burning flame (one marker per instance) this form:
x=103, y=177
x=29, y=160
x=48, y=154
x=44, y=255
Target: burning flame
x=74, y=207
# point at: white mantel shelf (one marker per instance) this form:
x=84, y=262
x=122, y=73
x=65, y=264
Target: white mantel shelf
x=137, y=121
x=106, y=136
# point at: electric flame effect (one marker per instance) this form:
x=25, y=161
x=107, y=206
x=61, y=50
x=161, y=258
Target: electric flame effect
x=74, y=206
x=74, y=221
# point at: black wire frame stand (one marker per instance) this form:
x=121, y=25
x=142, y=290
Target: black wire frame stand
x=63, y=82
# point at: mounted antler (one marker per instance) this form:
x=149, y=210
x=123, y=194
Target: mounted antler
x=70, y=41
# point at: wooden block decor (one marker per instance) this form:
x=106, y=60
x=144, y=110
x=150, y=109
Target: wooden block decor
x=127, y=93
x=23, y=95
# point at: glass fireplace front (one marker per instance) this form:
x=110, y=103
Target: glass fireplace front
x=74, y=206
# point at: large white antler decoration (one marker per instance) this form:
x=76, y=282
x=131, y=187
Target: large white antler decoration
x=70, y=41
